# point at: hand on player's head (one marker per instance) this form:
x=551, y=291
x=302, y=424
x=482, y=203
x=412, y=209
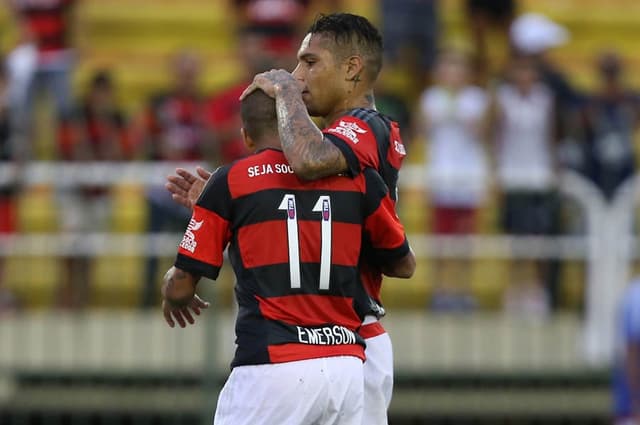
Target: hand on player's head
x=270, y=82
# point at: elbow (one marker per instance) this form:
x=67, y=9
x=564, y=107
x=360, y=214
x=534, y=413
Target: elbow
x=404, y=268
x=407, y=266
x=304, y=169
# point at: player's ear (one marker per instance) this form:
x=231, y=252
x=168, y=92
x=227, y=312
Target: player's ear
x=248, y=142
x=354, y=68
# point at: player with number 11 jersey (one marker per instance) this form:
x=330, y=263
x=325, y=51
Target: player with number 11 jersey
x=294, y=246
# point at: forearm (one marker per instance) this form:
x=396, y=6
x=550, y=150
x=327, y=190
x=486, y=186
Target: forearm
x=179, y=287
x=302, y=142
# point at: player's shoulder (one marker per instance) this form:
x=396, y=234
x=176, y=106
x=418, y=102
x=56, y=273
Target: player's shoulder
x=259, y=170
x=371, y=117
x=360, y=123
x=218, y=178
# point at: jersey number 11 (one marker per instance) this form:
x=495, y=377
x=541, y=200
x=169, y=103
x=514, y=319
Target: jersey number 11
x=323, y=206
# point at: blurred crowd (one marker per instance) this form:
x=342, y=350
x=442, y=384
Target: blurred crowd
x=489, y=128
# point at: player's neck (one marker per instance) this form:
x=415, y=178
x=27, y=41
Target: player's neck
x=362, y=100
x=268, y=143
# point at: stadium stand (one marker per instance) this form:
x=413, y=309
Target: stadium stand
x=133, y=38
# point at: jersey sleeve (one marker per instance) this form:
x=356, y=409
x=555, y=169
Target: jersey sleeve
x=357, y=142
x=384, y=234
x=201, y=250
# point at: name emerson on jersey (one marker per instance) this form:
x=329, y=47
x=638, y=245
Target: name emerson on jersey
x=326, y=335
x=262, y=169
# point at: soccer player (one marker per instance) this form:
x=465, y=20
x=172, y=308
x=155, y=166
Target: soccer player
x=338, y=63
x=298, y=358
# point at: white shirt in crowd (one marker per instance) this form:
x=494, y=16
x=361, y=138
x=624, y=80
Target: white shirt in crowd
x=457, y=164
x=524, y=155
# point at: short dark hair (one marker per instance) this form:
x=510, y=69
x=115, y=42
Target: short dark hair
x=258, y=113
x=353, y=34
x=102, y=79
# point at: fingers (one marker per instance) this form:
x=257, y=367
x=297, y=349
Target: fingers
x=197, y=304
x=182, y=315
x=190, y=178
x=252, y=87
x=177, y=314
x=179, y=182
x=187, y=315
x=167, y=316
x=175, y=188
x=203, y=173
x=200, y=302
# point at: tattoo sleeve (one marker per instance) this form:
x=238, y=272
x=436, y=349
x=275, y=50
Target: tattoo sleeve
x=310, y=156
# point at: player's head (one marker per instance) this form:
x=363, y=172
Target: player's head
x=341, y=56
x=259, y=121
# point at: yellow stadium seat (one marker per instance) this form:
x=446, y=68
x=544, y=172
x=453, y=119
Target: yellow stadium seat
x=116, y=282
x=129, y=209
x=34, y=280
x=37, y=210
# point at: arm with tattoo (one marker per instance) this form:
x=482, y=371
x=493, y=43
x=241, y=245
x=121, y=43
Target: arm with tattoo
x=310, y=156
x=308, y=153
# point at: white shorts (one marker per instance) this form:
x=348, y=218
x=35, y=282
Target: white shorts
x=320, y=391
x=378, y=379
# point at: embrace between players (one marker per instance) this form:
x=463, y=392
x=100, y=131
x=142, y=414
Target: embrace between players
x=309, y=218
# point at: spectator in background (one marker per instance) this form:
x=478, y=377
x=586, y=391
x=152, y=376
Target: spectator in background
x=223, y=108
x=626, y=370
x=48, y=25
x=101, y=124
x=612, y=117
x=482, y=15
x=281, y=21
x=8, y=301
x=522, y=118
x=452, y=112
x=268, y=36
x=278, y=23
x=534, y=35
x=410, y=32
x=18, y=73
x=172, y=128
x=98, y=134
x=8, y=191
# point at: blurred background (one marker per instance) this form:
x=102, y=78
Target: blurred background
x=519, y=195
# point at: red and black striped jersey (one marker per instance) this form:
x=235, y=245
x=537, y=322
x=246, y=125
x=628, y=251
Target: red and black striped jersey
x=368, y=138
x=48, y=20
x=294, y=246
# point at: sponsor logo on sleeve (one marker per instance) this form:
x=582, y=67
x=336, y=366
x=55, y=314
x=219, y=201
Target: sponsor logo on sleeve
x=189, y=239
x=399, y=147
x=348, y=129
